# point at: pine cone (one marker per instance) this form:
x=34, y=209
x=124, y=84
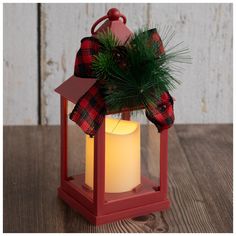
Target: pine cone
x=120, y=56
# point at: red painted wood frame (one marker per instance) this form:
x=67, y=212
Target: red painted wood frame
x=97, y=210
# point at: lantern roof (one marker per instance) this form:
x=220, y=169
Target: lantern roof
x=118, y=28
x=114, y=24
x=75, y=87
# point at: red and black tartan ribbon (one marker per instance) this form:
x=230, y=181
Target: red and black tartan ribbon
x=90, y=109
x=155, y=40
x=162, y=115
x=90, y=47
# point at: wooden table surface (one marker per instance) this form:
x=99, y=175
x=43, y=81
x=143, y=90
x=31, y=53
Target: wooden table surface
x=200, y=183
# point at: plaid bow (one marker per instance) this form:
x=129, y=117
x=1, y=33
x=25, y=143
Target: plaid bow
x=90, y=110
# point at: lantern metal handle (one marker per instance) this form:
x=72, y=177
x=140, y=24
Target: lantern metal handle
x=113, y=14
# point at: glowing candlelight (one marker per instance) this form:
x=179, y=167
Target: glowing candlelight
x=122, y=156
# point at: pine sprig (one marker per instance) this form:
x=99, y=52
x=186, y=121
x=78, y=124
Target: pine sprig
x=103, y=62
x=144, y=74
x=108, y=40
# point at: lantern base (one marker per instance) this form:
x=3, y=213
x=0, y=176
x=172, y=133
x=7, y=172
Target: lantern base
x=70, y=198
x=104, y=219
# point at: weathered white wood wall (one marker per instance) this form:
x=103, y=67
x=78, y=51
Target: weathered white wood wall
x=20, y=84
x=205, y=95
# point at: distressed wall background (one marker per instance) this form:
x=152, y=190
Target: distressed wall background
x=41, y=40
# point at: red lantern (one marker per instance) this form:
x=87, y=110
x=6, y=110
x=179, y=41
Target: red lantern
x=96, y=205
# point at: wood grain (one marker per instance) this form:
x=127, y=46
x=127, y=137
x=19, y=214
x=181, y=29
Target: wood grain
x=188, y=212
x=213, y=173
x=200, y=182
x=20, y=66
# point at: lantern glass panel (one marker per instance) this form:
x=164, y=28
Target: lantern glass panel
x=76, y=151
x=150, y=154
x=150, y=151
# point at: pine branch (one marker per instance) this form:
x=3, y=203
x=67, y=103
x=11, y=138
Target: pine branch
x=136, y=75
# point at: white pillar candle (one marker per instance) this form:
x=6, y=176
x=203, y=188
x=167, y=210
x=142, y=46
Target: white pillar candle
x=122, y=156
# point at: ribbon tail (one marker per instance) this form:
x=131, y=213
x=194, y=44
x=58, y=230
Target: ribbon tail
x=162, y=115
x=90, y=110
x=153, y=120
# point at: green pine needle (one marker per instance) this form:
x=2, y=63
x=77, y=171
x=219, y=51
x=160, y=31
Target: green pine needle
x=145, y=77
x=108, y=39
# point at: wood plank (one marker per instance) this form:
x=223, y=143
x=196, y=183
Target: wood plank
x=188, y=212
x=209, y=151
x=206, y=29
x=20, y=67
x=31, y=178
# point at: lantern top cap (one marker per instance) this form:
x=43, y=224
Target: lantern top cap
x=113, y=14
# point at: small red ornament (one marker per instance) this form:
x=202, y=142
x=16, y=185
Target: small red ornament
x=113, y=14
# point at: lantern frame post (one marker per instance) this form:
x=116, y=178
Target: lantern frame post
x=99, y=170
x=164, y=163
x=64, y=140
